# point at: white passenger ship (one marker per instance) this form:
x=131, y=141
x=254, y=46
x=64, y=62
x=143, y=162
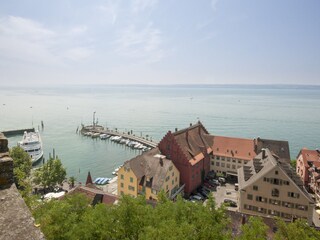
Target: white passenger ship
x=32, y=144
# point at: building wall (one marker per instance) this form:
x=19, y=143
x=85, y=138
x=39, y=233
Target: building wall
x=127, y=182
x=171, y=182
x=172, y=151
x=302, y=170
x=222, y=164
x=261, y=198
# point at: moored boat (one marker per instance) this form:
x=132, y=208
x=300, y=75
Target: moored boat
x=32, y=144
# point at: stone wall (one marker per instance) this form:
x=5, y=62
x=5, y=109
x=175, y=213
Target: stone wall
x=6, y=164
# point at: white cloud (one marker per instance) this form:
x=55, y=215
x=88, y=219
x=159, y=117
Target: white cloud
x=78, y=54
x=79, y=30
x=144, y=44
x=31, y=42
x=110, y=10
x=142, y=5
x=214, y=4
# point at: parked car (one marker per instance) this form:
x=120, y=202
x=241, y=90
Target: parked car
x=230, y=202
x=195, y=197
x=222, y=180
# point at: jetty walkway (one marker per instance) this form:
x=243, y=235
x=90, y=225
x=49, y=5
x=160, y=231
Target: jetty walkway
x=101, y=130
x=11, y=133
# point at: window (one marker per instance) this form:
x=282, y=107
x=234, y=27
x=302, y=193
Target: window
x=228, y=165
x=176, y=179
x=122, y=177
x=274, y=202
x=212, y=163
x=275, y=192
x=276, y=172
x=275, y=181
x=233, y=160
x=302, y=207
x=131, y=179
x=228, y=159
x=217, y=164
x=167, y=187
x=217, y=157
x=222, y=158
x=131, y=188
x=172, y=174
x=287, y=204
x=233, y=167
x=121, y=185
x=293, y=195
x=170, y=168
x=172, y=181
x=222, y=164
x=239, y=161
x=255, y=188
x=167, y=178
x=249, y=196
x=261, y=199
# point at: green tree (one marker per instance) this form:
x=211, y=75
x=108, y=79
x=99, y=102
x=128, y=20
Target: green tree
x=72, y=180
x=296, y=230
x=255, y=228
x=50, y=174
x=59, y=219
x=293, y=163
x=22, y=165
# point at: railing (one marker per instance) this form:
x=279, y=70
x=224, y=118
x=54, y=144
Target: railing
x=179, y=190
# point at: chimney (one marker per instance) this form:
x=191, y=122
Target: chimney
x=190, y=124
x=263, y=153
x=176, y=129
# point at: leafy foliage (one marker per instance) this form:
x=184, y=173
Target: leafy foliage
x=293, y=163
x=296, y=230
x=255, y=228
x=132, y=218
x=50, y=174
x=22, y=165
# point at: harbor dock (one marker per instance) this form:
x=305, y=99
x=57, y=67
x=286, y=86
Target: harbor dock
x=101, y=130
x=11, y=133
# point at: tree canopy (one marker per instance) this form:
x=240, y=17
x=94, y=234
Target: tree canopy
x=22, y=165
x=132, y=218
x=50, y=174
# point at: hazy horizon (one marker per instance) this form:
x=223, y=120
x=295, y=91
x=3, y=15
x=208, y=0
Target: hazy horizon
x=151, y=42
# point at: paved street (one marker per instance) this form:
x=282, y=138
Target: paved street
x=226, y=192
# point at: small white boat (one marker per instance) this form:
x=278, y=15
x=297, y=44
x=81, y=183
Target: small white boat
x=103, y=136
x=32, y=144
x=95, y=135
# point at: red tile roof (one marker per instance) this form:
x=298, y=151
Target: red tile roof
x=240, y=148
x=192, y=141
x=107, y=198
x=310, y=156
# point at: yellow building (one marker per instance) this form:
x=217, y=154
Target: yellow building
x=148, y=174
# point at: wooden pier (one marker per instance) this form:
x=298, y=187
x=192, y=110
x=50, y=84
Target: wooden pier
x=11, y=133
x=101, y=130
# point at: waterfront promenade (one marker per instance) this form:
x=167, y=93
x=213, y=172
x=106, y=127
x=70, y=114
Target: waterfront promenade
x=101, y=130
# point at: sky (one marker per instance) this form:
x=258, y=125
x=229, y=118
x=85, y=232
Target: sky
x=159, y=42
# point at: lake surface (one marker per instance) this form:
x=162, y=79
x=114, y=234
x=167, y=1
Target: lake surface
x=275, y=112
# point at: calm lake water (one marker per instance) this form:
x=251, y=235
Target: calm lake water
x=276, y=112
